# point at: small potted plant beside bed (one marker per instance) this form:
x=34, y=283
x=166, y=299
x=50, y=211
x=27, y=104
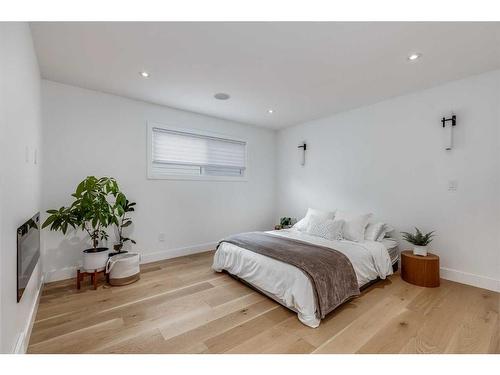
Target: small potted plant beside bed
x=285, y=223
x=98, y=203
x=419, y=241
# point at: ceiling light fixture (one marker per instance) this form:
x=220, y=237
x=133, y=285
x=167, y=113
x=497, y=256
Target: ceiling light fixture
x=414, y=56
x=270, y=111
x=221, y=96
x=144, y=74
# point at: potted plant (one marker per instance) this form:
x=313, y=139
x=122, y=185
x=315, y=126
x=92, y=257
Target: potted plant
x=91, y=211
x=419, y=240
x=124, y=222
x=285, y=223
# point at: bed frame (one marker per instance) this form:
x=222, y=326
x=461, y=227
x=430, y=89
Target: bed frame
x=362, y=288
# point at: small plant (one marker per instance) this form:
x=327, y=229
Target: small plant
x=92, y=210
x=124, y=221
x=418, y=239
x=285, y=222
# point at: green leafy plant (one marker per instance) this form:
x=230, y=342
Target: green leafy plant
x=418, y=239
x=92, y=209
x=123, y=222
x=285, y=221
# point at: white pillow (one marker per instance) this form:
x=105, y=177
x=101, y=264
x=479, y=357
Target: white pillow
x=320, y=214
x=301, y=225
x=373, y=231
x=385, y=231
x=329, y=228
x=354, y=226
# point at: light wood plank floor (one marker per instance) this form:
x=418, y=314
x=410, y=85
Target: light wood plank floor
x=182, y=306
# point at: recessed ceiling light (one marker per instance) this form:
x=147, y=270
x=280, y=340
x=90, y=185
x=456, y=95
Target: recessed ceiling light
x=221, y=96
x=144, y=74
x=414, y=56
x=270, y=111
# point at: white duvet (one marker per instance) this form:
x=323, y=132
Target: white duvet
x=287, y=283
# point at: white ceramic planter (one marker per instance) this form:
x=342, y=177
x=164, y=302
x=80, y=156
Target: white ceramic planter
x=420, y=250
x=95, y=260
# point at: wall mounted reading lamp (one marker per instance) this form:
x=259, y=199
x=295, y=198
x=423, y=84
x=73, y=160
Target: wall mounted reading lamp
x=449, y=130
x=303, y=146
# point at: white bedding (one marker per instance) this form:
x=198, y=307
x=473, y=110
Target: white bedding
x=287, y=283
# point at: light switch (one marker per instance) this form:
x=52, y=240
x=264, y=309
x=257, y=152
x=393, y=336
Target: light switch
x=452, y=185
x=161, y=237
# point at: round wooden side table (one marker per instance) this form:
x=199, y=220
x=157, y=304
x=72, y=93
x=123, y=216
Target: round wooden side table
x=420, y=270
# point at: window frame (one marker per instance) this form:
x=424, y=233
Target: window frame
x=159, y=176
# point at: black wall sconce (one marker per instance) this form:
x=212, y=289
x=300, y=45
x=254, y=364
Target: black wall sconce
x=453, y=120
x=303, y=146
x=449, y=130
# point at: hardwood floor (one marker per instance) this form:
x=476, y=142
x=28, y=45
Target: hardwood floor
x=182, y=306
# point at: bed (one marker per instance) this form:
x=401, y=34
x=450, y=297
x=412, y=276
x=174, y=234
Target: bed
x=289, y=285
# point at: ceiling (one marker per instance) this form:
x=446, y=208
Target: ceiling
x=300, y=70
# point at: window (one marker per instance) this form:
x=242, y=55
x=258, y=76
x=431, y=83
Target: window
x=182, y=154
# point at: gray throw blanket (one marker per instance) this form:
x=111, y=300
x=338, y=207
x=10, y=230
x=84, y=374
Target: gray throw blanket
x=332, y=276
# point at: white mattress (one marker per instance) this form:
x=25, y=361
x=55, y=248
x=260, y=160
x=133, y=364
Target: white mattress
x=287, y=283
x=392, y=247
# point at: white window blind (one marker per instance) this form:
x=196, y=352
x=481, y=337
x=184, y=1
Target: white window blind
x=180, y=153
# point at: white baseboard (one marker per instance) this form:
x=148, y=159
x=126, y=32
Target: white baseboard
x=179, y=252
x=446, y=273
x=24, y=338
x=70, y=272
x=470, y=279
x=60, y=274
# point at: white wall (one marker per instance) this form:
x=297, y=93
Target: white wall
x=19, y=179
x=91, y=133
x=389, y=159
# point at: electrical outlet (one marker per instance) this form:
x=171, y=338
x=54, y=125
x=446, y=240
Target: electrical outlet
x=161, y=237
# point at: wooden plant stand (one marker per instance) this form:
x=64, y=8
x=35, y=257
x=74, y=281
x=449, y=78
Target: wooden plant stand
x=80, y=275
